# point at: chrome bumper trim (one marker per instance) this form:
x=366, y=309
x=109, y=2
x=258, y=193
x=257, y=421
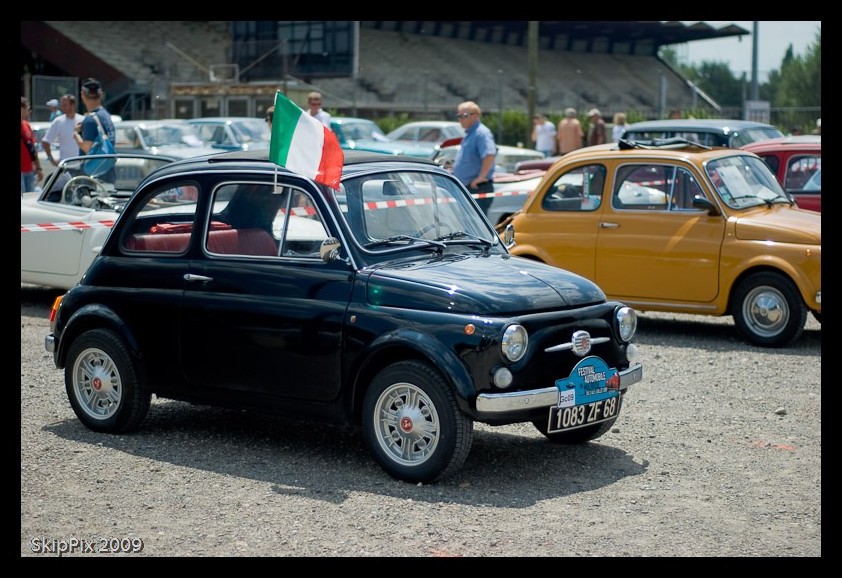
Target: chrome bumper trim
x=544, y=397
x=50, y=343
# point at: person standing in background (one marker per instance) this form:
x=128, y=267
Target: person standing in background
x=31, y=172
x=314, y=101
x=62, y=131
x=619, y=126
x=596, y=128
x=543, y=135
x=88, y=130
x=53, y=105
x=474, y=164
x=570, y=133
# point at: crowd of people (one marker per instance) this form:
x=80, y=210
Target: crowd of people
x=71, y=133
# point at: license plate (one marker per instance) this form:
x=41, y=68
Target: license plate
x=590, y=394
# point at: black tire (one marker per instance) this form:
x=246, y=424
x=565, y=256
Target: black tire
x=578, y=435
x=413, y=425
x=768, y=310
x=103, y=383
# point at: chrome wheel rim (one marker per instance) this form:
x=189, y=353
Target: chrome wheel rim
x=406, y=424
x=765, y=311
x=97, y=384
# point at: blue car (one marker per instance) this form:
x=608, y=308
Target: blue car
x=361, y=134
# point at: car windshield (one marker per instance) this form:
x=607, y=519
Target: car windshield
x=399, y=210
x=363, y=131
x=256, y=130
x=743, y=181
x=170, y=135
x=71, y=184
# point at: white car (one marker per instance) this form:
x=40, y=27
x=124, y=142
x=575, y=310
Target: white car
x=169, y=137
x=507, y=157
x=63, y=226
x=432, y=131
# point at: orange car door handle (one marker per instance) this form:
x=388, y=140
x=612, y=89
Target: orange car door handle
x=608, y=225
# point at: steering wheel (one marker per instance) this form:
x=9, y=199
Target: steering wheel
x=80, y=189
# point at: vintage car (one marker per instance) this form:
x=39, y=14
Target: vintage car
x=390, y=303
x=680, y=227
x=797, y=164
x=63, y=226
x=430, y=131
x=361, y=134
x=719, y=132
x=508, y=157
x=232, y=133
x=169, y=137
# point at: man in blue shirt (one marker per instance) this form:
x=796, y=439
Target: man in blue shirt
x=474, y=164
x=88, y=130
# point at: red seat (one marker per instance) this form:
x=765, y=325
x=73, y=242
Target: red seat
x=227, y=242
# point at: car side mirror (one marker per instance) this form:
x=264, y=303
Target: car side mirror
x=329, y=249
x=700, y=202
x=509, y=236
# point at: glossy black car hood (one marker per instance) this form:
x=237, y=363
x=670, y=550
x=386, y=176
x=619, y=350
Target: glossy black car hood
x=478, y=284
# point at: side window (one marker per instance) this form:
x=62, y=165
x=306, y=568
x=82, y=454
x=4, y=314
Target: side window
x=164, y=223
x=685, y=187
x=799, y=170
x=577, y=190
x=299, y=226
x=642, y=187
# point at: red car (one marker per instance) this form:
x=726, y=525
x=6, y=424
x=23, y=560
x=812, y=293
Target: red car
x=797, y=164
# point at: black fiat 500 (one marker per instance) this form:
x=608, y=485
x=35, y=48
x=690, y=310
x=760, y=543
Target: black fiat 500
x=390, y=303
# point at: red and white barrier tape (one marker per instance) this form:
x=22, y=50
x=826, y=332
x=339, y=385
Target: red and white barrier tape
x=70, y=226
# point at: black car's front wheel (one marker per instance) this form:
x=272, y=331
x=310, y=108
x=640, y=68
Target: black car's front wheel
x=413, y=425
x=103, y=383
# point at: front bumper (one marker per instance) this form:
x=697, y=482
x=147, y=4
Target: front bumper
x=517, y=401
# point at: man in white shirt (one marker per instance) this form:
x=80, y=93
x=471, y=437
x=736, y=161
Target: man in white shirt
x=61, y=131
x=314, y=101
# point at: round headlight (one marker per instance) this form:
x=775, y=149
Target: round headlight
x=515, y=341
x=626, y=323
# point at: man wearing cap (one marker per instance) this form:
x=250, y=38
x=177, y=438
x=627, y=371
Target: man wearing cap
x=53, y=106
x=596, y=130
x=62, y=131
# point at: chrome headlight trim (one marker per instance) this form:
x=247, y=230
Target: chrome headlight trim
x=626, y=319
x=514, y=342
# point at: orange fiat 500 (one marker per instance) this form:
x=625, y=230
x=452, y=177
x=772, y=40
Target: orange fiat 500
x=679, y=227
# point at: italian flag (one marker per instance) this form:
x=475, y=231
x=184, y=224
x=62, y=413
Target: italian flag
x=304, y=145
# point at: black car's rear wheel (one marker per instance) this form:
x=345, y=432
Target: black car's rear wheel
x=412, y=424
x=103, y=384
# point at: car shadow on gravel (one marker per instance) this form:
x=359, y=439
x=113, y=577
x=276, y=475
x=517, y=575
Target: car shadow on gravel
x=325, y=462
x=716, y=334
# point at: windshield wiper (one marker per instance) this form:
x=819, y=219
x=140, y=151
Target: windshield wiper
x=439, y=246
x=465, y=237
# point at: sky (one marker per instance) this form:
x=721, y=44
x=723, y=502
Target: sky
x=774, y=37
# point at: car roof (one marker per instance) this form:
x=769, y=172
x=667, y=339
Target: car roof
x=347, y=119
x=806, y=142
x=223, y=119
x=675, y=149
x=689, y=124
x=257, y=160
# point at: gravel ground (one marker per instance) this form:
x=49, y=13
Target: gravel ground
x=716, y=453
